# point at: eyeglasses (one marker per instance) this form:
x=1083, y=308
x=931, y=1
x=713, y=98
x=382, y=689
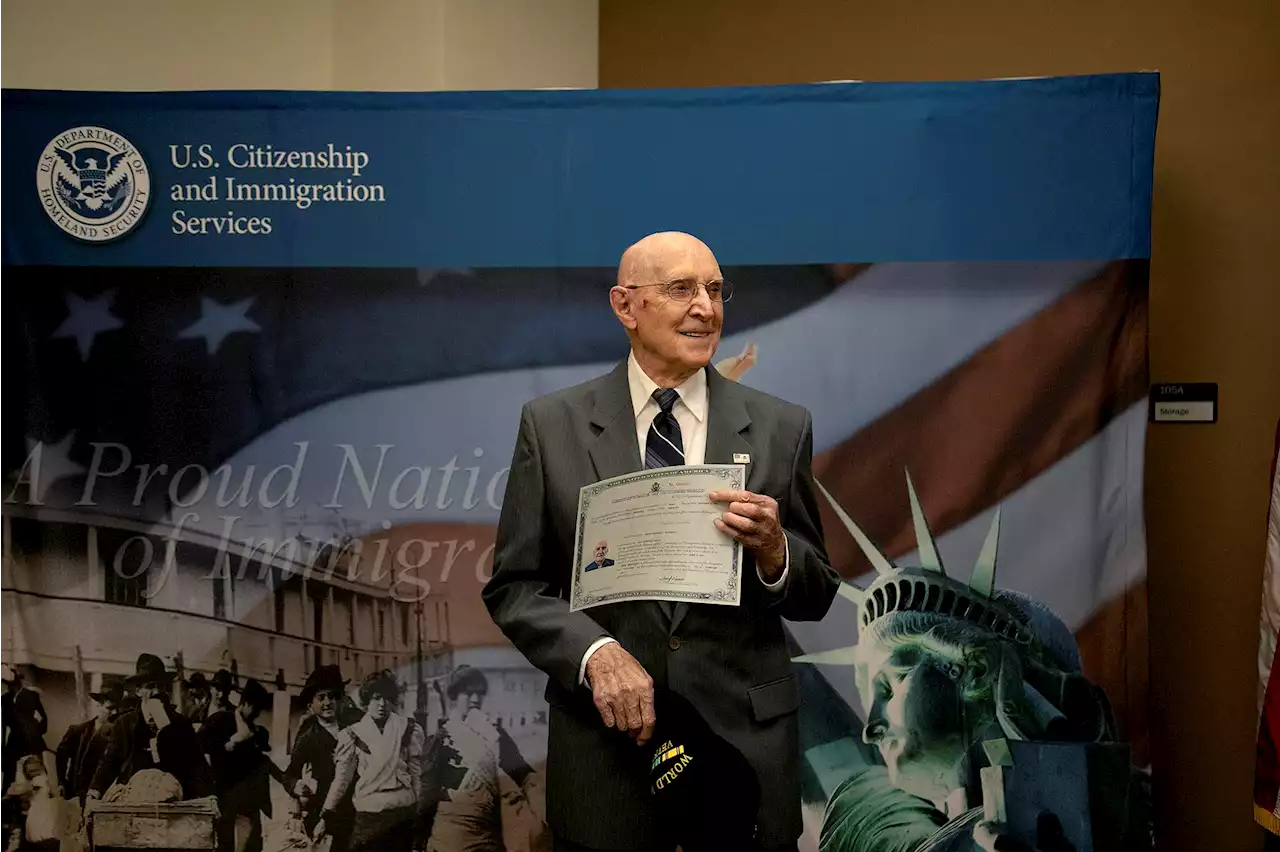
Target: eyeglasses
x=684, y=290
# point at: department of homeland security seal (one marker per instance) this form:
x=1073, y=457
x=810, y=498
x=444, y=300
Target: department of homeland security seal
x=93, y=183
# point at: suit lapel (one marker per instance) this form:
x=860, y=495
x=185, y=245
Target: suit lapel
x=727, y=422
x=615, y=450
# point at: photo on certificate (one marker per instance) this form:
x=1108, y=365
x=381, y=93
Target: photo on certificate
x=650, y=535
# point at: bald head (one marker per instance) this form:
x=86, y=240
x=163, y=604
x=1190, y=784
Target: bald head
x=651, y=259
x=668, y=299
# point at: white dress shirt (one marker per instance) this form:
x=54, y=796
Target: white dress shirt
x=690, y=411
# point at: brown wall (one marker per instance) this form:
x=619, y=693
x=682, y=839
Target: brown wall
x=1215, y=313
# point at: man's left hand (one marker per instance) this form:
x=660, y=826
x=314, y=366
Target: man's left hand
x=753, y=520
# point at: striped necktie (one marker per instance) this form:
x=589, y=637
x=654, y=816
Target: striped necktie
x=663, y=447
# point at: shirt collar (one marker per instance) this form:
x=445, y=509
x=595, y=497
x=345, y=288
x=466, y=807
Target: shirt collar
x=693, y=393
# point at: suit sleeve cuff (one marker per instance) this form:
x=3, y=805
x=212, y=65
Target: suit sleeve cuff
x=595, y=646
x=782, y=578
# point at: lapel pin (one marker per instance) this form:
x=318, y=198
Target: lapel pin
x=741, y=458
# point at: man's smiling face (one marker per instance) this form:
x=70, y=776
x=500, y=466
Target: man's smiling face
x=675, y=337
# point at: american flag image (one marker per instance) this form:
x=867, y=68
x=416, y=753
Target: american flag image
x=277, y=469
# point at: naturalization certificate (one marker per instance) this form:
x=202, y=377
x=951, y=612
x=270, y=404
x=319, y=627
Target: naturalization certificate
x=649, y=535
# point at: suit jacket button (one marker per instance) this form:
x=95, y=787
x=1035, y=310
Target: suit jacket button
x=674, y=643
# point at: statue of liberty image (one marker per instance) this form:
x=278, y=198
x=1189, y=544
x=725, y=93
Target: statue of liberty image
x=990, y=735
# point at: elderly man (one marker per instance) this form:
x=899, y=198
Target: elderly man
x=662, y=406
x=602, y=559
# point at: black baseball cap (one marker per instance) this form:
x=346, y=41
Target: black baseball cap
x=707, y=793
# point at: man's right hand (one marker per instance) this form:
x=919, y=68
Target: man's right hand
x=622, y=691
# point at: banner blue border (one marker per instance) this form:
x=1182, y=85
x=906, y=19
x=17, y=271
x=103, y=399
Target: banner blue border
x=1029, y=169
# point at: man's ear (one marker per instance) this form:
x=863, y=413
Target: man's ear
x=620, y=301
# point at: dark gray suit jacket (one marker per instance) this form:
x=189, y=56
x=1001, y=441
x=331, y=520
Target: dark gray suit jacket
x=730, y=662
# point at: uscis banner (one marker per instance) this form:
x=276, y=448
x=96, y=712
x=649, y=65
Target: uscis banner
x=265, y=355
